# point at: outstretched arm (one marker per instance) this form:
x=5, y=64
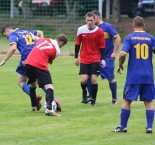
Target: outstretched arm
x=10, y=52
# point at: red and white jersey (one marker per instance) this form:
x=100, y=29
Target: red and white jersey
x=92, y=41
x=43, y=53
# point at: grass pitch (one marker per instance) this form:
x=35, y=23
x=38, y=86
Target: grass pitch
x=79, y=124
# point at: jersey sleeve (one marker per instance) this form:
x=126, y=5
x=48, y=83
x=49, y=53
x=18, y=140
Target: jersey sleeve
x=13, y=38
x=78, y=37
x=113, y=31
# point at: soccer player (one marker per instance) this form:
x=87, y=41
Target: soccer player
x=21, y=40
x=45, y=51
x=91, y=52
x=139, y=79
x=112, y=43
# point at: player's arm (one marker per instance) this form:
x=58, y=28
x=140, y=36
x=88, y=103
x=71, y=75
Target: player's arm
x=77, y=49
x=122, y=58
x=102, y=50
x=10, y=52
x=117, y=42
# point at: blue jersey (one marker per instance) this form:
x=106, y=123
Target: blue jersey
x=109, y=34
x=140, y=46
x=23, y=40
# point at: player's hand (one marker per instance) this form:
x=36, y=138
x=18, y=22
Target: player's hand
x=103, y=63
x=119, y=69
x=2, y=63
x=76, y=61
x=113, y=56
x=35, y=38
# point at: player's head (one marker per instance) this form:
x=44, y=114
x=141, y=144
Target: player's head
x=138, y=22
x=61, y=39
x=6, y=30
x=97, y=17
x=90, y=20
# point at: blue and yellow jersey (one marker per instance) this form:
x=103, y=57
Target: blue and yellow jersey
x=109, y=34
x=140, y=46
x=23, y=40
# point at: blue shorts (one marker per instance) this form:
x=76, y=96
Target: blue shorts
x=108, y=71
x=132, y=91
x=21, y=69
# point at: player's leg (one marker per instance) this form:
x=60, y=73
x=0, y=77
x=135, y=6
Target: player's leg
x=84, y=72
x=84, y=78
x=113, y=88
x=94, y=89
x=35, y=99
x=108, y=73
x=94, y=72
x=147, y=95
x=49, y=96
x=22, y=82
x=130, y=94
x=33, y=96
x=89, y=85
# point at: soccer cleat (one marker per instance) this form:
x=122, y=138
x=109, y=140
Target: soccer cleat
x=93, y=102
x=85, y=100
x=34, y=108
x=39, y=97
x=50, y=113
x=118, y=129
x=149, y=130
x=58, y=105
x=114, y=101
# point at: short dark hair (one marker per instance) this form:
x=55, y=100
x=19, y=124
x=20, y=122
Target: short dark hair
x=6, y=27
x=62, y=38
x=90, y=14
x=96, y=12
x=138, y=21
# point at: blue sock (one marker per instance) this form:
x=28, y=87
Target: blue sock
x=124, y=117
x=149, y=118
x=89, y=86
x=113, y=88
x=26, y=88
x=44, y=90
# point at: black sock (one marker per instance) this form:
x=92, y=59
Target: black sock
x=94, y=91
x=33, y=97
x=49, y=98
x=84, y=91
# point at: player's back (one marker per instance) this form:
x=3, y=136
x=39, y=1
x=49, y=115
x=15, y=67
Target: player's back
x=24, y=40
x=43, y=53
x=140, y=47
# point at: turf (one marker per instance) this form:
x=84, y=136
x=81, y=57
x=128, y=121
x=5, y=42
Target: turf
x=79, y=124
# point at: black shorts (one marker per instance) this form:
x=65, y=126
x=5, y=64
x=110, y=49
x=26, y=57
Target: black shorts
x=90, y=69
x=42, y=76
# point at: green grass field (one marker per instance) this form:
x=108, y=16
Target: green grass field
x=79, y=124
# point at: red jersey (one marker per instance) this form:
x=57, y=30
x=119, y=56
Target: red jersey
x=43, y=53
x=92, y=41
